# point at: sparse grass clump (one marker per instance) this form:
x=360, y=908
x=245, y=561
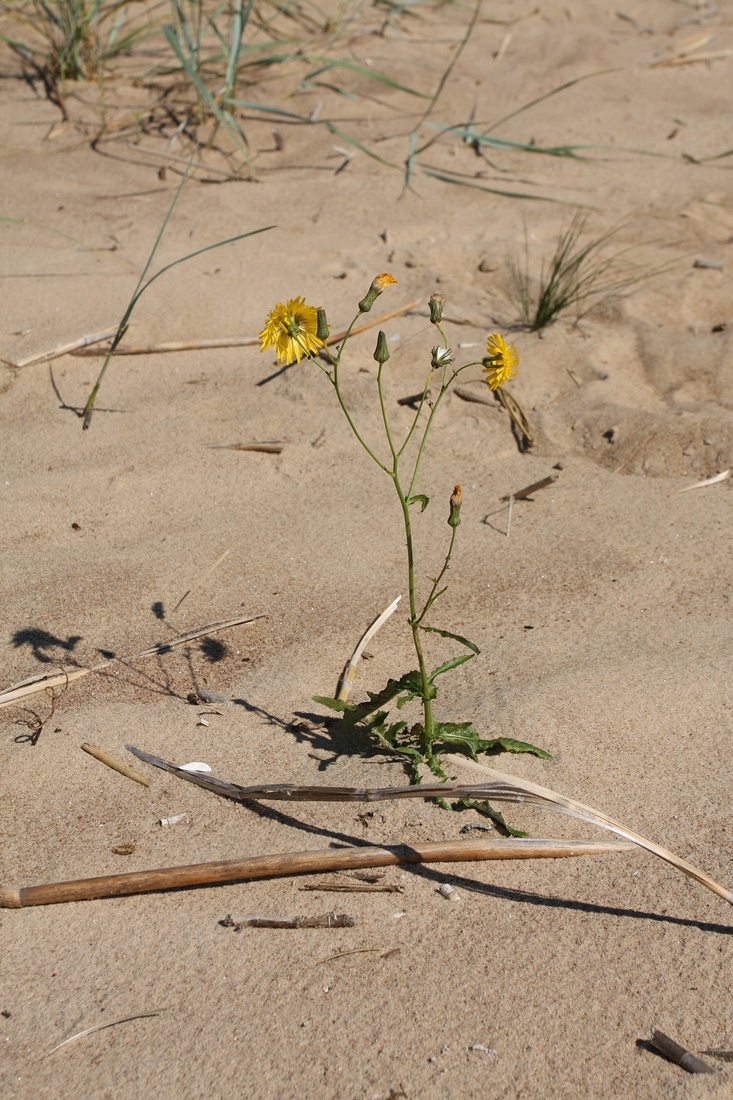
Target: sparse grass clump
x=577, y=277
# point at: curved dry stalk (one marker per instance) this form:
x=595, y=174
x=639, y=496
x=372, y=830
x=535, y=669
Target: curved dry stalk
x=499, y=787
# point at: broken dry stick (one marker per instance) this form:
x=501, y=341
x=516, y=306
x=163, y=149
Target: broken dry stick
x=116, y=765
x=533, y=488
x=679, y=1055
x=328, y=920
x=299, y=863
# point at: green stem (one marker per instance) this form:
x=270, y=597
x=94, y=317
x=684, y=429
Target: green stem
x=432, y=597
x=427, y=689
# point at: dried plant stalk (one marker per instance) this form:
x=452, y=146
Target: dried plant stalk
x=500, y=788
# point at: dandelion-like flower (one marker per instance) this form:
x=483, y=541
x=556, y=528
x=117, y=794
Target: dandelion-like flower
x=291, y=329
x=501, y=361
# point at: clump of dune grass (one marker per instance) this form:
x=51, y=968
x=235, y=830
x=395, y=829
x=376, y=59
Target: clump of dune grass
x=66, y=40
x=577, y=278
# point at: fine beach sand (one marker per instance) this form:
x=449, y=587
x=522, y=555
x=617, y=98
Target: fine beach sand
x=603, y=619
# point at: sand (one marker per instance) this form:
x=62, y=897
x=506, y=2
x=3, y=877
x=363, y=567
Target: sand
x=603, y=615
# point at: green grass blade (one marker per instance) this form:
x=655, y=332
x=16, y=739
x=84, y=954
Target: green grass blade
x=492, y=190
x=361, y=70
x=333, y=128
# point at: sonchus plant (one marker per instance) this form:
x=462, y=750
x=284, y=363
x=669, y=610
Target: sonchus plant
x=296, y=330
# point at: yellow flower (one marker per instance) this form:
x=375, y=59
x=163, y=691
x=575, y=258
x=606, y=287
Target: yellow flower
x=291, y=329
x=501, y=361
x=384, y=280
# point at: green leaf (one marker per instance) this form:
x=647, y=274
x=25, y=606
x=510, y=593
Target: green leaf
x=358, y=712
x=488, y=810
x=456, y=637
x=328, y=701
x=465, y=736
x=453, y=663
x=421, y=499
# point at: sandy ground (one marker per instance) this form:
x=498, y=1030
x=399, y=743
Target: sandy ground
x=604, y=619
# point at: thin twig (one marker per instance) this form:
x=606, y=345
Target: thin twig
x=201, y=580
x=225, y=341
x=535, y=487
x=327, y=920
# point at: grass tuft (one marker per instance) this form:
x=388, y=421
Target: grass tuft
x=577, y=277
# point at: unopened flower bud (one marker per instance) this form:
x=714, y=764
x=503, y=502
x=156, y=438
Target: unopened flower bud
x=375, y=290
x=381, y=352
x=322, y=330
x=455, y=506
x=436, y=307
x=441, y=357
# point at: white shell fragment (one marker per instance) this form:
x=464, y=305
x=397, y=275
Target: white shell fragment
x=174, y=819
x=195, y=766
x=447, y=891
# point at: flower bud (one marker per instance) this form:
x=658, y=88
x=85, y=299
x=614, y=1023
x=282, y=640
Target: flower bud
x=436, y=307
x=375, y=290
x=322, y=330
x=455, y=506
x=381, y=352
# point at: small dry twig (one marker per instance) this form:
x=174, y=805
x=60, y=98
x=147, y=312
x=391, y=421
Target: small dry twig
x=116, y=765
x=355, y=887
x=535, y=487
x=327, y=920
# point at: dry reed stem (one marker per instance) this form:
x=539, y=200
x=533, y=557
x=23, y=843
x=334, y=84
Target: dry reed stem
x=299, y=863
x=499, y=787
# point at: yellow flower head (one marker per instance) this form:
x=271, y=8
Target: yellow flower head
x=501, y=361
x=384, y=280
x=291, y=329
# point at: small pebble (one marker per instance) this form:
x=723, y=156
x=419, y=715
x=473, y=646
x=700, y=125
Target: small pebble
x=447, y=891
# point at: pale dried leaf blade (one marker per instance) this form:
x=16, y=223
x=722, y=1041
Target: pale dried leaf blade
x=509, y=788
x=99, y=1027
x=708, y=481
x=202, y=631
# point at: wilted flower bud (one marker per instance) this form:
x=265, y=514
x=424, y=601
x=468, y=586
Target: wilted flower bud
x=442, y=357
x=322, y=330
x=375, y=290
x=455, y=506
x=381, y=352
x=436, y=307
